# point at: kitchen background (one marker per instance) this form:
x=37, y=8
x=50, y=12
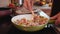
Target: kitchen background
x=4, y=3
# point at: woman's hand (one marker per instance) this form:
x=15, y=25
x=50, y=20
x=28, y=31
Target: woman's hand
x=56, y=18
x=28, y=4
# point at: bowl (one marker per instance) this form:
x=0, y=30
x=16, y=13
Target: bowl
x=28, y=17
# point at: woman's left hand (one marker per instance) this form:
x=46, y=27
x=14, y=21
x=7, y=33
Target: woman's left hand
x=56, y=18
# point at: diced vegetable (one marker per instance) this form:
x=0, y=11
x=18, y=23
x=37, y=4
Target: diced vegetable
x=37, y=20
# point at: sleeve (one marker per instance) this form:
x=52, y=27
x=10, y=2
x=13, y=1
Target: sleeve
x=55, y=7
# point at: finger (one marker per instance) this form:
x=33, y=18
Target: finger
x=32, y=2
x=25, y=4
x=29, y=5
x=32, y=13
x=54, y=17
x=57, y=22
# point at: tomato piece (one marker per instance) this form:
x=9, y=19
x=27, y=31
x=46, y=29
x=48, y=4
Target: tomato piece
x=12, y=5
